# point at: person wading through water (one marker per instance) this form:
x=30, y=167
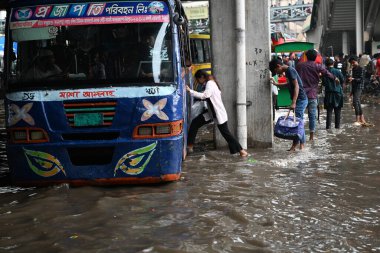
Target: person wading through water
x=216, y=111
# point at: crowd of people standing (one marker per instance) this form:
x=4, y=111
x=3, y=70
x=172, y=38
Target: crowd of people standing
x=306, y=79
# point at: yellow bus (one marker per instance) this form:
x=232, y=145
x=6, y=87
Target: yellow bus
x=200, y=52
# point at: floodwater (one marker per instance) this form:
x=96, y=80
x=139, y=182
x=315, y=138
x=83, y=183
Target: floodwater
x=324, y=199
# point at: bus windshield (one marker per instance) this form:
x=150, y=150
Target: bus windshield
x=108, y=54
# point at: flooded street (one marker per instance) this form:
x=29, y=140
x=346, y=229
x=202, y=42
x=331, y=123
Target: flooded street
x=324, y=199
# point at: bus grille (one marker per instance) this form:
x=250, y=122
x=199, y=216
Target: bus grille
x=90, y=114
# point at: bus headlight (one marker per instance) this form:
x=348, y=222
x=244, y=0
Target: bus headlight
x=145, y=130
x=20, y=135
x=27, y=135
x=36, y=135
x=164, y=129
x=158, y=130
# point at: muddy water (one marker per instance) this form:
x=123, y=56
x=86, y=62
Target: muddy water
x=325, y=199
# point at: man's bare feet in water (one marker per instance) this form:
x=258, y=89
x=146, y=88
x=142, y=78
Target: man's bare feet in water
x=311, y=136
x=362, y=120
x=293, y=147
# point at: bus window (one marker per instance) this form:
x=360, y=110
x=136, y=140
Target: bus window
x=207, y=50
x=200, y=51
x=91, y=55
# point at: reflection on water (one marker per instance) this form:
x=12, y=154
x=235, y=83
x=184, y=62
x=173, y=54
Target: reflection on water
x=325, y=199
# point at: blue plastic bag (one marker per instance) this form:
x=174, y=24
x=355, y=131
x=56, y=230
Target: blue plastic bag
x=289, y=128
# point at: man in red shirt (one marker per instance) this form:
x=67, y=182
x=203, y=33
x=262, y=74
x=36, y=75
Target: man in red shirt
x=310, y=73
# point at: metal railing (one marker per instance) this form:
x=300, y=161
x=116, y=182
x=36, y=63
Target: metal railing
x=298, y=12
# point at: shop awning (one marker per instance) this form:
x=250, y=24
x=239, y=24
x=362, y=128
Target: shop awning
x=293, y=47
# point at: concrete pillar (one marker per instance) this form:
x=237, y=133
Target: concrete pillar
x=359, y=27
x=222, y=20
x=259, y=92
x=345, y=45
x=259, y=119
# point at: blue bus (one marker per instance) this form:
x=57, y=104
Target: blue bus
x=95, y=91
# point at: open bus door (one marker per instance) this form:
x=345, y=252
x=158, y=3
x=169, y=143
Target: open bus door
x=283, y=98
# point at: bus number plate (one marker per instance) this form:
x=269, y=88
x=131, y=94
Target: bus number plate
x=88, y=119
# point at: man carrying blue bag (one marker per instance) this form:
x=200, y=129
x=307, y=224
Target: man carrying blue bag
x=299, y=101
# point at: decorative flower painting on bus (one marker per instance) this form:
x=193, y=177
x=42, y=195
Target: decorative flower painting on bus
x=43, y=164
x=155, y=109
x=135, y=161
x=156, y=7
x=16, y=114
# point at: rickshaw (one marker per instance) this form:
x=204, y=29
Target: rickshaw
x=283, y=98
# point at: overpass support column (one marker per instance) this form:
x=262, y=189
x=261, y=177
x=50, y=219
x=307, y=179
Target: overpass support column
x=359, y=27
x=258, y=93
x=345, y=45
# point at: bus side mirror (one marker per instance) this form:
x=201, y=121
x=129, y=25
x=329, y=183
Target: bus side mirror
x=178, y=20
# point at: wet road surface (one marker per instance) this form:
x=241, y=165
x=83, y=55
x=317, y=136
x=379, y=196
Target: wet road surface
x=324, y=199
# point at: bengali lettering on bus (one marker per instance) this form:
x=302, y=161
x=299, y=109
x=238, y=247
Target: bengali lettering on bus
x=89, y=14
